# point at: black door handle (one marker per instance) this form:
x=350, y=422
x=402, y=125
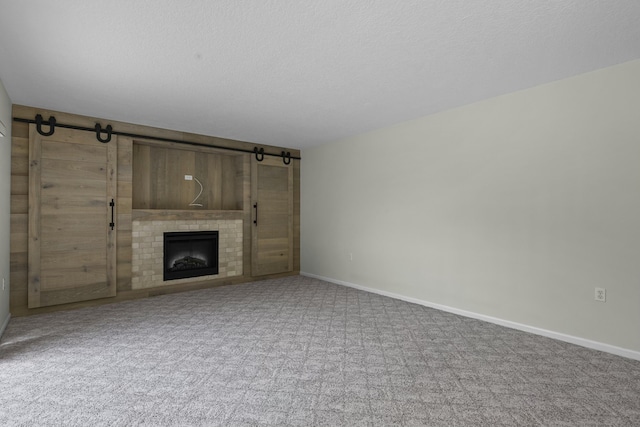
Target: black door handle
x=255, y=206
x=112, y=224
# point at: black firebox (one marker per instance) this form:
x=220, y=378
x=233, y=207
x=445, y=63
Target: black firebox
x=190, y=254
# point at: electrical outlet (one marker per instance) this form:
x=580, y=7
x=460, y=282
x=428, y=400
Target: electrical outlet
x=3, y=283
x=601, y=295
x=350, y=256
x=188, y=177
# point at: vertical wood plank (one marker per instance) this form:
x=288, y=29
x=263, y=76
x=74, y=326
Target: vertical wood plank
x=112, y=195
x=187, y=190
x=173, y=179
x=34, y=217
x=157, y=168
x=214, y=167
x=245, y=169
x=141, y=176
x=296, y=214
x=125, y=205
x=228, y=183
x=290, y=169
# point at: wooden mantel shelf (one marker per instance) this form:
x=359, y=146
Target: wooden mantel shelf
x=187, y=214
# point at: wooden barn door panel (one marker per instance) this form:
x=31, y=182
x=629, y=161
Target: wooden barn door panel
x=272, y=236
x=72, y=180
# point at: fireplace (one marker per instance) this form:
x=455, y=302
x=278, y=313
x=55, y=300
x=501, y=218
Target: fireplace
x=190, y=254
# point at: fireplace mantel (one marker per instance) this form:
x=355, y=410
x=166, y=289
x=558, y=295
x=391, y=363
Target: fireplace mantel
x=190, y=214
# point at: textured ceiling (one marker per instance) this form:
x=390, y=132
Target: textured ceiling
x=297, y=73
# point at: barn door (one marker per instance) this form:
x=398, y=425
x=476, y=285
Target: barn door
x=72, y=244
x=272, y=227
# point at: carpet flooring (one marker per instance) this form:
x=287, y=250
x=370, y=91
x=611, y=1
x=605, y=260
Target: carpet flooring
x=299, y=352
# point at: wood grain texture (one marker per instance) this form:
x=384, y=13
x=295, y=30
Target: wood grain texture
x=124, y=214
x=244, y=191
x=20, y=156
x=272, y=234
x=174, y=214
x=72, y=248
x=159, y=178
x=19, y=236
x=112, y=234
x=296, y=215
x=126, y=187
x=34, y=225
x=19, y=215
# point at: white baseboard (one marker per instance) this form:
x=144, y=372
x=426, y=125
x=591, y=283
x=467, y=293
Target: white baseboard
x=619, y=351
x=4, y=325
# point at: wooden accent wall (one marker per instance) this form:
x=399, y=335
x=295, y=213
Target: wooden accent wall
x=229, y=195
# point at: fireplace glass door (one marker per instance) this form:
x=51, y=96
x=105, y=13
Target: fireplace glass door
x=190, y=254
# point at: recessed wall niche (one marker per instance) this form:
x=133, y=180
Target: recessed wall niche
x=159, y=182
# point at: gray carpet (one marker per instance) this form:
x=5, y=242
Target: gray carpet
x=299, y=351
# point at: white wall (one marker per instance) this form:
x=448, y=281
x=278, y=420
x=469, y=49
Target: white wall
x=5, y=194
x=516, y=208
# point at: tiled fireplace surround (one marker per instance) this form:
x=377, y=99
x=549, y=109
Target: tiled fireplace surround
x=147, y=250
